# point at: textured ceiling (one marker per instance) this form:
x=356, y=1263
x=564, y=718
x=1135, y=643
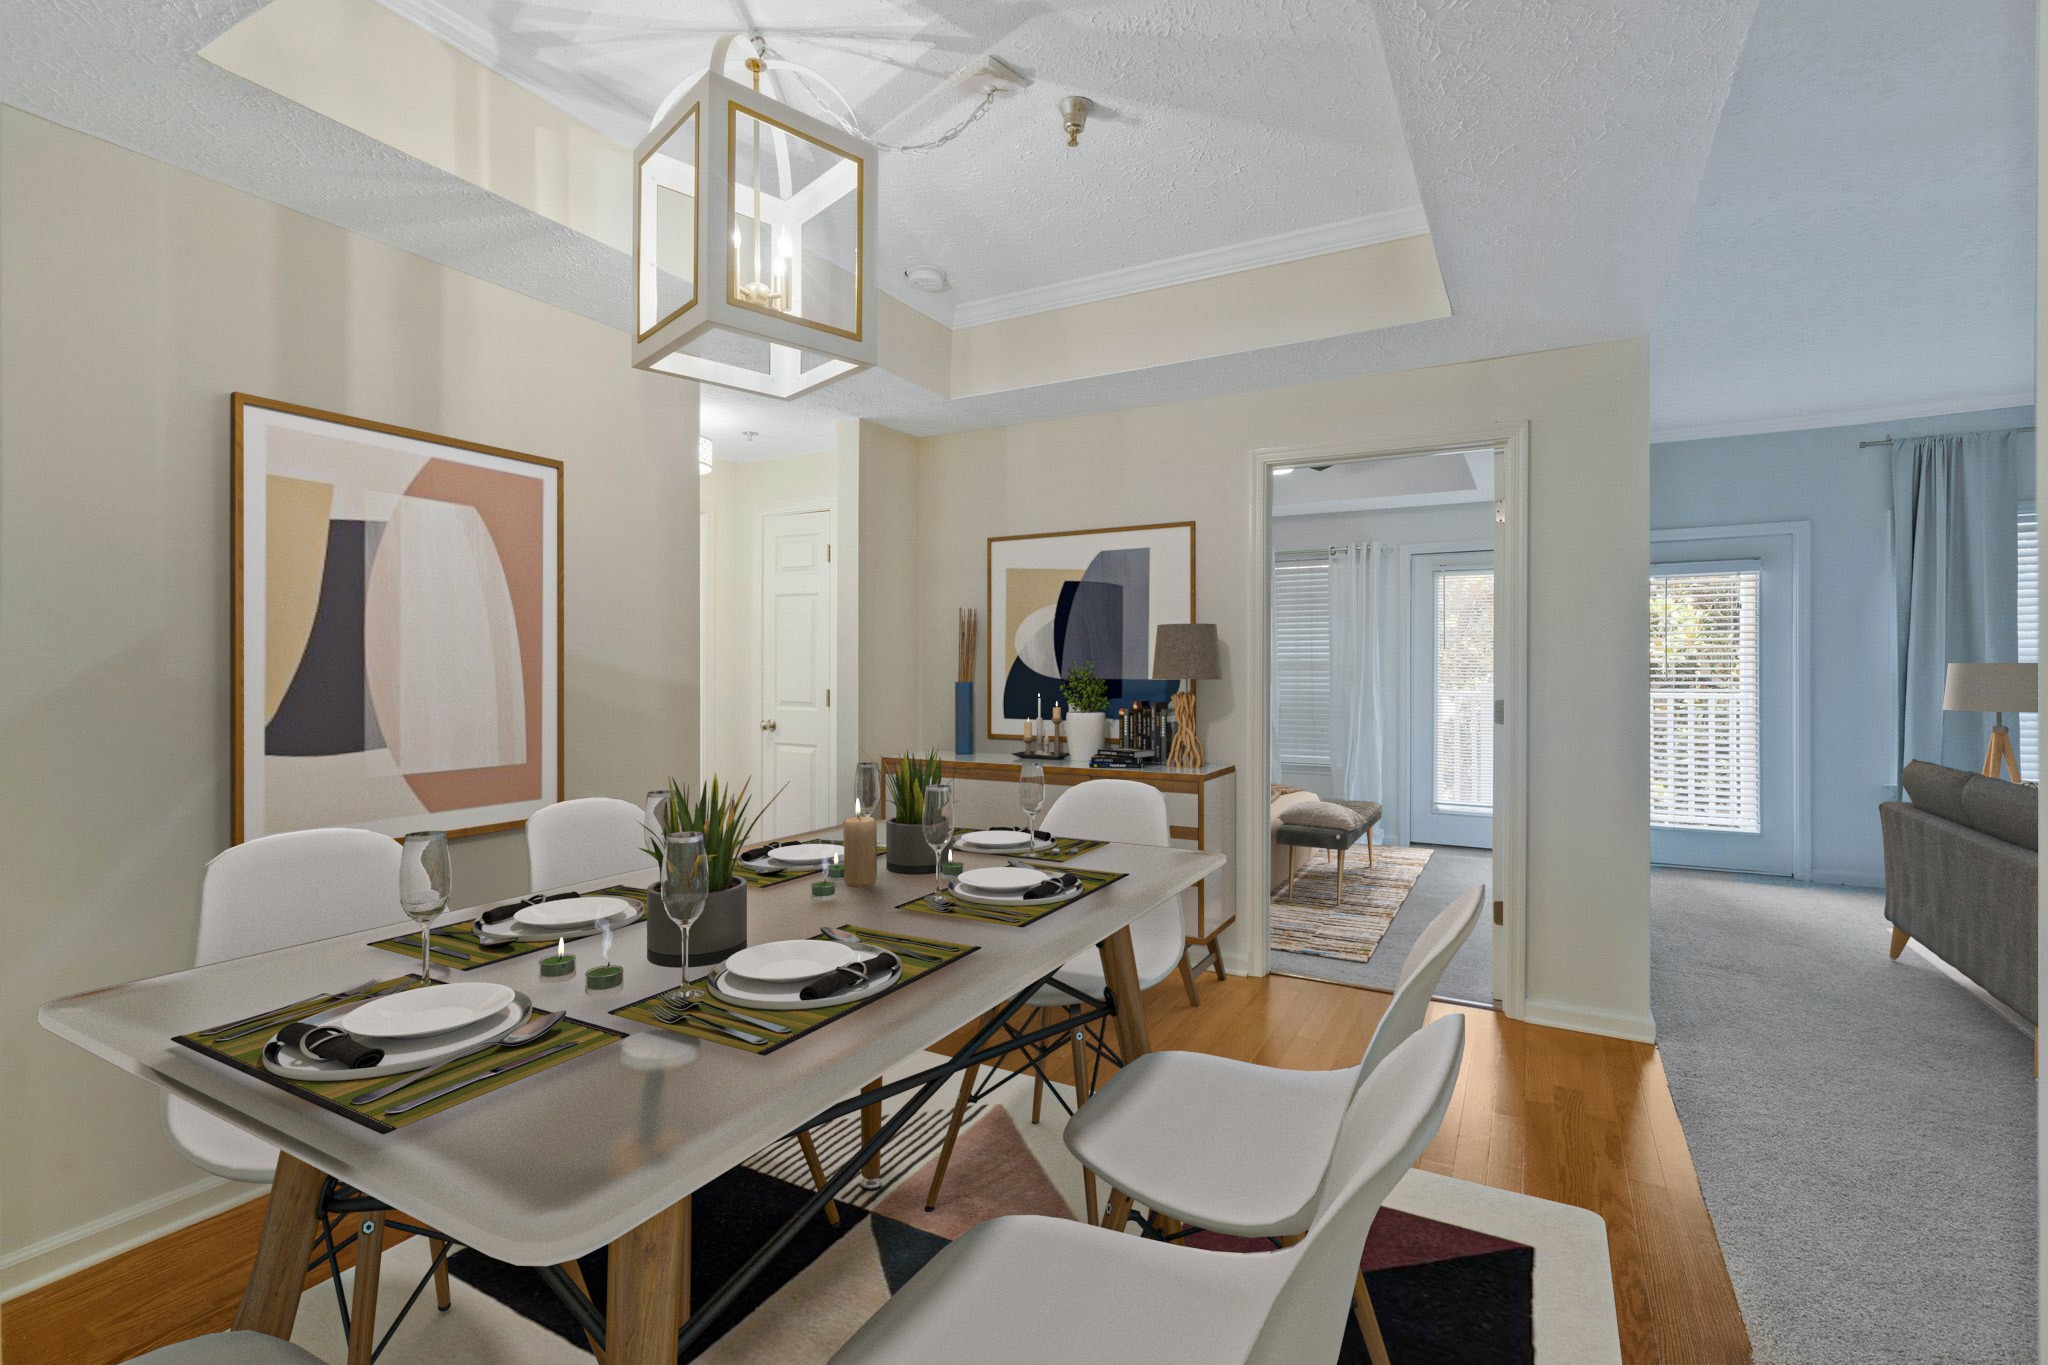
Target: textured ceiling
x=1863, y=242
x=1556, y=147
x=1217, y=121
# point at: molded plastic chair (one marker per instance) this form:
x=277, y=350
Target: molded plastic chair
x=1236, y=1147
x=583, y=840
x=1121, y=812
x=229, y=1348
x=1029, y=1289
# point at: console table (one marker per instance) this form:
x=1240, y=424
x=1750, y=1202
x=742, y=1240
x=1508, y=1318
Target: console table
x=1201, y=810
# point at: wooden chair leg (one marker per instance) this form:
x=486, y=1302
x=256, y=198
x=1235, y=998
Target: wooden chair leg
x=1187, y=980
x=362, y=1309
x=439, y=1248
x=1340, y=876
x=1368, y=1322
x=871, y=1124
x=1900, y=938
x=810, y=1150
x=931, y=1198
x=1088, y=1194
x=1119, y=1211
x=574, y=1270
x=1368, y=845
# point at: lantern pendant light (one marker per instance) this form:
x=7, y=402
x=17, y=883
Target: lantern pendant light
x=752, y=227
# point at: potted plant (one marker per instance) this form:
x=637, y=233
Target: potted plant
x=1087, y=698
x=908, y=852
x=726, y=820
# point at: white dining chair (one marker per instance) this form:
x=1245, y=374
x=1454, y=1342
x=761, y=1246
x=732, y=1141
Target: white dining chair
x=1027, y=1289
x=1120, y=812
x=277, y=892
x=229, y=1348
x=583, y=840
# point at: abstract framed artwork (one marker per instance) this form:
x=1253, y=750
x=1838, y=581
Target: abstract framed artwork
x=1071, y=597
x=397, y=627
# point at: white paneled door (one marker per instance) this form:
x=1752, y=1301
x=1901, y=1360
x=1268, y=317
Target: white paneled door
x=796, y=633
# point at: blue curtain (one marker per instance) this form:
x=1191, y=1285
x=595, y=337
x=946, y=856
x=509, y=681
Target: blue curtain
x=1955, y=564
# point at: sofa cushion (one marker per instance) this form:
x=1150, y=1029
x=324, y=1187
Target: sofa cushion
x=1935, y=789
x=1325, y=815
x=2003, y=810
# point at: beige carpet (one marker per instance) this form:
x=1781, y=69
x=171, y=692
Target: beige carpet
x=1312, y=920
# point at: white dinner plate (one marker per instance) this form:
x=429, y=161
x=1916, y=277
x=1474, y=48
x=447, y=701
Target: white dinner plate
x=767, y=995
x=798, y=960
x=1014, y=901
x=402, y=1055
x=578, y=912
x=804, y=855
x=1001, y=840
x=427, y=1011
x=999, y=881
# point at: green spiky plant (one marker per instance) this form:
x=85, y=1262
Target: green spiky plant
x=722, y=816
x=1083, y=690
x=913, y=775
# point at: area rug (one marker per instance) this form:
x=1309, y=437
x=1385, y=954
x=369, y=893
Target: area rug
x=1457, y=1271
x=1312, y=920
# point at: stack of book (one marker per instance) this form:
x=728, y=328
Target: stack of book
x=1122, y=758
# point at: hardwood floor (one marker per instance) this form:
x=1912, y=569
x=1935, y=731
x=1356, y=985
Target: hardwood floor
x=1565, y=1116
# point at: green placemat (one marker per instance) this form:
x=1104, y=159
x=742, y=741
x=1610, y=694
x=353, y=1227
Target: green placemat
x=1062, y=850
x=763, y=876
x=1091, y=882
x=457, y=946
x=803, y=1023
x=246, y=1054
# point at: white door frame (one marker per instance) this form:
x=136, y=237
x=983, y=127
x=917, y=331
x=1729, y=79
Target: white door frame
x=758, y=670
x=1511, y=685
x=1800, y=534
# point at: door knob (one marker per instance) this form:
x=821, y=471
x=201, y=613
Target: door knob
x=767, y=725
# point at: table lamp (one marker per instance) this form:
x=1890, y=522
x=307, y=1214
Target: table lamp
x=1997, y=688
x=1189, y=652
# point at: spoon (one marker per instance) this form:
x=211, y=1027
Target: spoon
x=535, y=1027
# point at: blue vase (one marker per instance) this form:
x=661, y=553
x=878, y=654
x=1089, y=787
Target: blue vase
x=963, y=718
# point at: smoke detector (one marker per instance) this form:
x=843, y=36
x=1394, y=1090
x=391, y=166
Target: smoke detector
x=929, y=278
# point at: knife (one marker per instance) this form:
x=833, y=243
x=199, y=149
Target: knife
x=500, y=1070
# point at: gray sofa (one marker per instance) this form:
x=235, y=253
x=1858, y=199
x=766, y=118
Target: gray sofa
x=1960, y=869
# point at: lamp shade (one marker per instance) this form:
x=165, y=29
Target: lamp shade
x=1991, y=687
x=1186, y=652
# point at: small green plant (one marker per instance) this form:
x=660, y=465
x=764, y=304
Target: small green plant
x=721, y=815
x=913, y=775
x=1083, y=690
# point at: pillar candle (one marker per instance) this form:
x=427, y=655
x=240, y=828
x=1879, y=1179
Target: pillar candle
x=859, y=837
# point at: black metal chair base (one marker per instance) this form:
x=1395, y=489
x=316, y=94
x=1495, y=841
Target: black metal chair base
x=339, y=1202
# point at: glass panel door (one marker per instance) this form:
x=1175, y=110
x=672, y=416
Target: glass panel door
x=1451, y=695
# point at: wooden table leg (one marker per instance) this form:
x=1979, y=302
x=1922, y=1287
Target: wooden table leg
x=439, y=1248
x=270, y=1301
x=871, y=1124
x=641, y=1316
x=1120, y=970
x=362, y=1310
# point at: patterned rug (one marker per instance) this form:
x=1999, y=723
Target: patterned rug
x=1312, y=920
x=1458, y=1272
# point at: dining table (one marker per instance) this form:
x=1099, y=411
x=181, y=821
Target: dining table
x=603, y=1150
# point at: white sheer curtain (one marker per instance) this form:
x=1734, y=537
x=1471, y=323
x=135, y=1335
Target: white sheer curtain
x=1362, y=726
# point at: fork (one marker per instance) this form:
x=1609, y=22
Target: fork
x=277, y=1018
x=670, y=1014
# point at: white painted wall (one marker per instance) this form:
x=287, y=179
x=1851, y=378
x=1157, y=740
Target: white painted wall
x=1822, y=477
x=1587, y=408
x=126, y=319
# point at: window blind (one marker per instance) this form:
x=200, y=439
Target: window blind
x=1705, y=707
x=1301, y=658
x=2027, y=723
x=1464, y=691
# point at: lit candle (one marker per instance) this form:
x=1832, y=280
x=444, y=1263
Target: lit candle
x=561, y=962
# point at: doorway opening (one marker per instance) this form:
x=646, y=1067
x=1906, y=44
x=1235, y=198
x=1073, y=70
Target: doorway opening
x=1388, y=697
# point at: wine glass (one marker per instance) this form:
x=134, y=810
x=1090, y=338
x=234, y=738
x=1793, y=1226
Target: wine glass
x=424, y=878
x=685, y=884
x=656, y=807
x=1031, y=793
x=867, y=789
x=938, y=830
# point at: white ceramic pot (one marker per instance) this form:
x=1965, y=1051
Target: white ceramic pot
x=1084, y=735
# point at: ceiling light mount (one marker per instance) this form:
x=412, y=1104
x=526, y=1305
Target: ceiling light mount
x=1074, y=110
x=929, y=278
x=987, y=76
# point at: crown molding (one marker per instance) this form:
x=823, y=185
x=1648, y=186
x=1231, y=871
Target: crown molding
x=1201, y=265
x=1843, y=417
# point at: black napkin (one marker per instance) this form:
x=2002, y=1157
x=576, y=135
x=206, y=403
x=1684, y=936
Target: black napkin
x=498, y=914
x=330, y=1044
x=1053, y=886
x=851, y=975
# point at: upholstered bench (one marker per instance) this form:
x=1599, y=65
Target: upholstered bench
x=1333, y=825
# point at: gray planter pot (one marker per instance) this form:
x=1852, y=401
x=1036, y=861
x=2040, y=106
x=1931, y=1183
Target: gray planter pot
x=718, y=933
x=908, y=852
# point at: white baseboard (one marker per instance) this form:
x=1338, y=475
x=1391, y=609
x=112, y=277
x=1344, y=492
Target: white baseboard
x=65, y=1253
x=1996, y=1006
x=1636, y=1028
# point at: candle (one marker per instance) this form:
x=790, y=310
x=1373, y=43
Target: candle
x=605, y=978
x=561, y=962
x=820, y=890
x=837, y=867
x=858, y=851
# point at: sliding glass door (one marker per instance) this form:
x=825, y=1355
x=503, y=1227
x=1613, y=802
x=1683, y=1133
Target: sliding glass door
x=1450, y=699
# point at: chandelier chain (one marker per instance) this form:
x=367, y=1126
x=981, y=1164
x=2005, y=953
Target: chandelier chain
x=848, y=123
